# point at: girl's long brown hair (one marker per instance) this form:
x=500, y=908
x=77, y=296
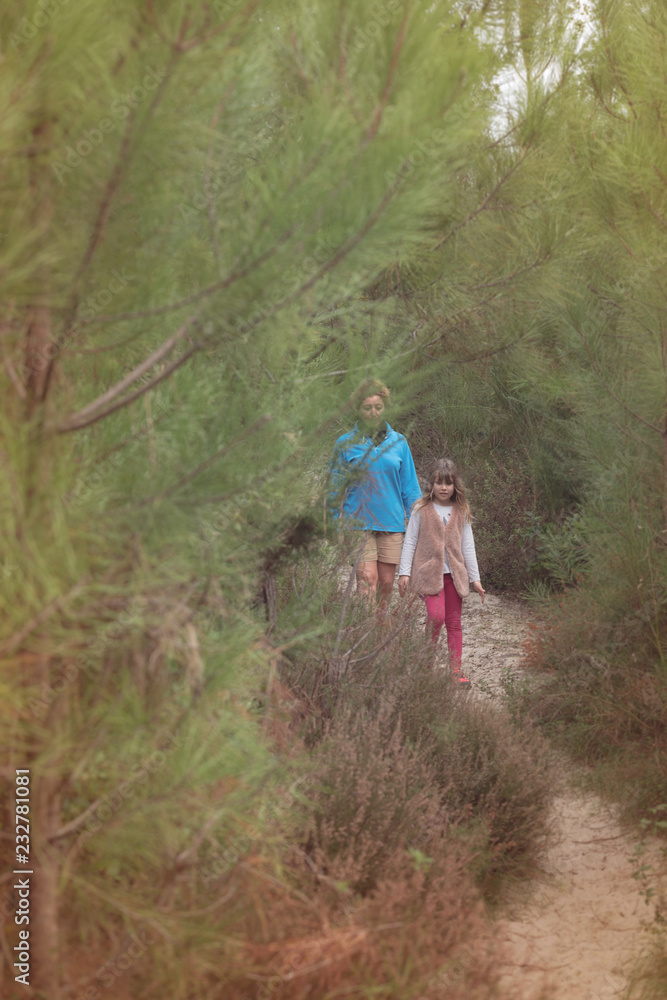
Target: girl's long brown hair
x=444, y=471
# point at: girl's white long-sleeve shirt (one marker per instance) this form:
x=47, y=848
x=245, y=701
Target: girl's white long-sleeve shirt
x=412, y=534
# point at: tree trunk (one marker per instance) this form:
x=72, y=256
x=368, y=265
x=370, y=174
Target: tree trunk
x=664, y=479
x=38, y=319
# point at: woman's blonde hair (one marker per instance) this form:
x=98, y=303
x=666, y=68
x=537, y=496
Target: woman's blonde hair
x=370, y=387
x=444, y=471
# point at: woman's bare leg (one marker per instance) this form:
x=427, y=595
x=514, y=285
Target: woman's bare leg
x=386, y=573
x=367, y=579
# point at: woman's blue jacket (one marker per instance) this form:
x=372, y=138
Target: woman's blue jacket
x=373, y=481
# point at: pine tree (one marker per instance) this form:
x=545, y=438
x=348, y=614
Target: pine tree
x=195, y=198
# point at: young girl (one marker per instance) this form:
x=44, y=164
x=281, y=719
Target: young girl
x=438, y=560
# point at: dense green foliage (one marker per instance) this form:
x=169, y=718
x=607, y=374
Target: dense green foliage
x=216, y=219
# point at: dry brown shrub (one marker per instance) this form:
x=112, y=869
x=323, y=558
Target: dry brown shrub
x=373, y=795
x=422, y=933
x=498, y=780
x=445, y=937
x=413, y=794
x=403, y=751
x=382, y=902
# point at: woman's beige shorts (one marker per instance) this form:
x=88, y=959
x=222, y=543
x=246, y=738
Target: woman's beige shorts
x=380, y=546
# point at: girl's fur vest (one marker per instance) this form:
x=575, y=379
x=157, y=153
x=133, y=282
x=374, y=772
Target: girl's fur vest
x=436, y=538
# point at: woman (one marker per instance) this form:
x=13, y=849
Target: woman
x=374, y=485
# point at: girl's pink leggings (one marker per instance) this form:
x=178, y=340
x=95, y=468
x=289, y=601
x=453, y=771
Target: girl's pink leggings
x=445, y=609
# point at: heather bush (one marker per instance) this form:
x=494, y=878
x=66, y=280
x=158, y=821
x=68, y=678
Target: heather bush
x=495, y=775
x=422, y=933
x=467, y=773
x=602, y=693
x=339, y=650
x=399, y=752
x=374, y=795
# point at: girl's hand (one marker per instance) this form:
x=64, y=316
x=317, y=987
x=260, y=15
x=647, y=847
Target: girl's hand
x=477, y=585
x=403, y=584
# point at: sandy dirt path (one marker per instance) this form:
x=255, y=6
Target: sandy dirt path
x=580, y=927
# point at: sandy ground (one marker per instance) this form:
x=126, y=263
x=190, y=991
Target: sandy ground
x=581, y=933
x=492, y=637
x=577, y=932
